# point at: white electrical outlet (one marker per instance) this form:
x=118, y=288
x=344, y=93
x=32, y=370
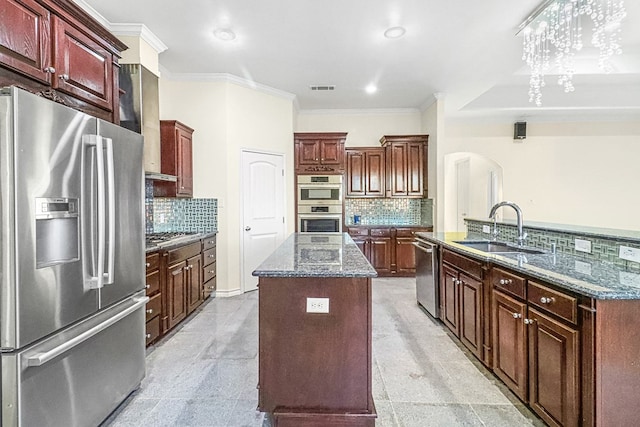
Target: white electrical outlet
x=486, y=229
x=630, y=254
x=583, y=245
x=317, y=305
x=583, y=267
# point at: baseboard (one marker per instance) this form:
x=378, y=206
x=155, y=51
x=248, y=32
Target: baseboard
x=229, y=293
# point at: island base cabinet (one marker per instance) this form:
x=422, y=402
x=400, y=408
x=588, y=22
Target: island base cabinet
x=315, y=368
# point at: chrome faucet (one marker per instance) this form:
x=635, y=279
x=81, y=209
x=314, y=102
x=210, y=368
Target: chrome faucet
x=521, y=234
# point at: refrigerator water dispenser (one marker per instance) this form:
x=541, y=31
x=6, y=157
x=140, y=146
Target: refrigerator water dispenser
x=56, y=231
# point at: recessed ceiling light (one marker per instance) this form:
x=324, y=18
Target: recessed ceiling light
x=371, y=88
x=224, y=34
x=395, y=32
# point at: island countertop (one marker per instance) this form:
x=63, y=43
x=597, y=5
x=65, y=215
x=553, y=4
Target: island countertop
x=316, y=255
x=599, y=280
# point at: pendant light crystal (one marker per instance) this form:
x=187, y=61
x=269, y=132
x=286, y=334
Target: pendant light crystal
x=557, y=27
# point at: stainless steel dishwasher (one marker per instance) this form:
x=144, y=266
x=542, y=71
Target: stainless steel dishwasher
x=427, y=289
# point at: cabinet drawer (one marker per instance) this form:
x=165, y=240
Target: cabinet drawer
x=209, y=256
x=153, y=307
x=152, y=330
x=469, y=266
x=210, y=285
x=380, y=232
x=208, y=243
x=184, y=252
x=152, y=262
x=209, y=271
x=558, y=303
x=358, y=231
x=153, y=282
x=406, y=232
x=508, y=282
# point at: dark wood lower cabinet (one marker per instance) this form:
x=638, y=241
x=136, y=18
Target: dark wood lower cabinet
x=449, y=312
x=553, y=370
x=380, y=254
x=471, y=314
x=194, y=283
x=510, y=343
x=176, y=294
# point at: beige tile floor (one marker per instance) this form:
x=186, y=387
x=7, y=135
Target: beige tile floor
x=205, y=373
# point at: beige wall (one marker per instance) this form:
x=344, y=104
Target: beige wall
x=227, y=118
x=567, y=173
x=139, y=52
x=364, y=129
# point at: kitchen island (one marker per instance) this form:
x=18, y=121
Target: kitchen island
x=559, y=329
x=315, y=333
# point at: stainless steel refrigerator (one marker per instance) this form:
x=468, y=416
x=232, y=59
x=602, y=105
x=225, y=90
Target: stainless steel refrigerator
x=71, y=263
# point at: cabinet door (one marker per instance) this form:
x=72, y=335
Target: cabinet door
x=330, y=152
x=397, y=170
x=510, y=343
x=25, y=38
x=356, y=173
x=194, y=283
x=471, y=325
x=176, y=293
x=380, y=254
x=185, y=163
x=309, y=152
x=84, y=68
x=450, y=314
x=415, y=169
x=374, y=173
x=405, y=256
x=553, y=370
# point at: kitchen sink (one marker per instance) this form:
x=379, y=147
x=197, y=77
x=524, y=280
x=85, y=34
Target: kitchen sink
x=497, y=247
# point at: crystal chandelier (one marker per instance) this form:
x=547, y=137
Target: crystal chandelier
x=555, y=28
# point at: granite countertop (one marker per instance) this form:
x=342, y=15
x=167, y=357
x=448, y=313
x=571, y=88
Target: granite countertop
x=316, y=255
x=387, y=226
x=596, y=279
x=180, y=241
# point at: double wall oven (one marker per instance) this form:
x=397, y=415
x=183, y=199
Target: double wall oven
x=319, y=203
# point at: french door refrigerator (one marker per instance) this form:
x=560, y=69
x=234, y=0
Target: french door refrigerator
x=71, y=263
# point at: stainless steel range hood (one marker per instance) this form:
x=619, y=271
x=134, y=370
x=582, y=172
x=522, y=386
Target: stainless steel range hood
x=140, y=111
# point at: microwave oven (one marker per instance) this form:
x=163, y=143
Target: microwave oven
x=319, y=189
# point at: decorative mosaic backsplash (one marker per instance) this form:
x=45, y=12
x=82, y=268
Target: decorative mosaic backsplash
x=602, y=248
x=389, y=211
x=173, y=214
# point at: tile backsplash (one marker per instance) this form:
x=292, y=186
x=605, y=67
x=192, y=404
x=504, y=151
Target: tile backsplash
x=603, y=248
x=393, y=211
x=175, y=214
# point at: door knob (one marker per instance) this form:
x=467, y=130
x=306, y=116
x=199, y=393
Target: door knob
x=247, y=228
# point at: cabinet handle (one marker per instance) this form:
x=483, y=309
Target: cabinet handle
x=517, y=315
x=528, y=321
x=211, y=242
x=211, y=271
x=547, y=300
x=506, y=281
x=148, y=264
x=212, y=256
x=150, y=311
x=213, y=288
x=148, y=286
x=64, y=77
x=49, y=70
x=148, y=336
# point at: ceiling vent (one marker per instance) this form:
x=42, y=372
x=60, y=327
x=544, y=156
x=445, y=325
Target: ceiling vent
x=323, y=87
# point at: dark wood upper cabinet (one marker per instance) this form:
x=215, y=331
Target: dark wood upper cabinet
x=176, y=159
x=83, y=67
x=319, y=152
x=406, y=160
x=53, y=48
x=365, y=172
x=25, y=38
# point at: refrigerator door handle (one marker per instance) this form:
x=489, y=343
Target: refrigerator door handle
x=111, y=213
x=97, y=281
x=40, y=359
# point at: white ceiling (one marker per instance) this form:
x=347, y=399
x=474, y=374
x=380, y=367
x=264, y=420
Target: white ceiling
x=465, y=51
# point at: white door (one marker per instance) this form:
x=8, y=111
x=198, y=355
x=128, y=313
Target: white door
x=263, y=207
x=462, y=183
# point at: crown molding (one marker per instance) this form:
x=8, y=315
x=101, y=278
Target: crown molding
x=139, y=30
x=227, y=78
x=361, y=111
